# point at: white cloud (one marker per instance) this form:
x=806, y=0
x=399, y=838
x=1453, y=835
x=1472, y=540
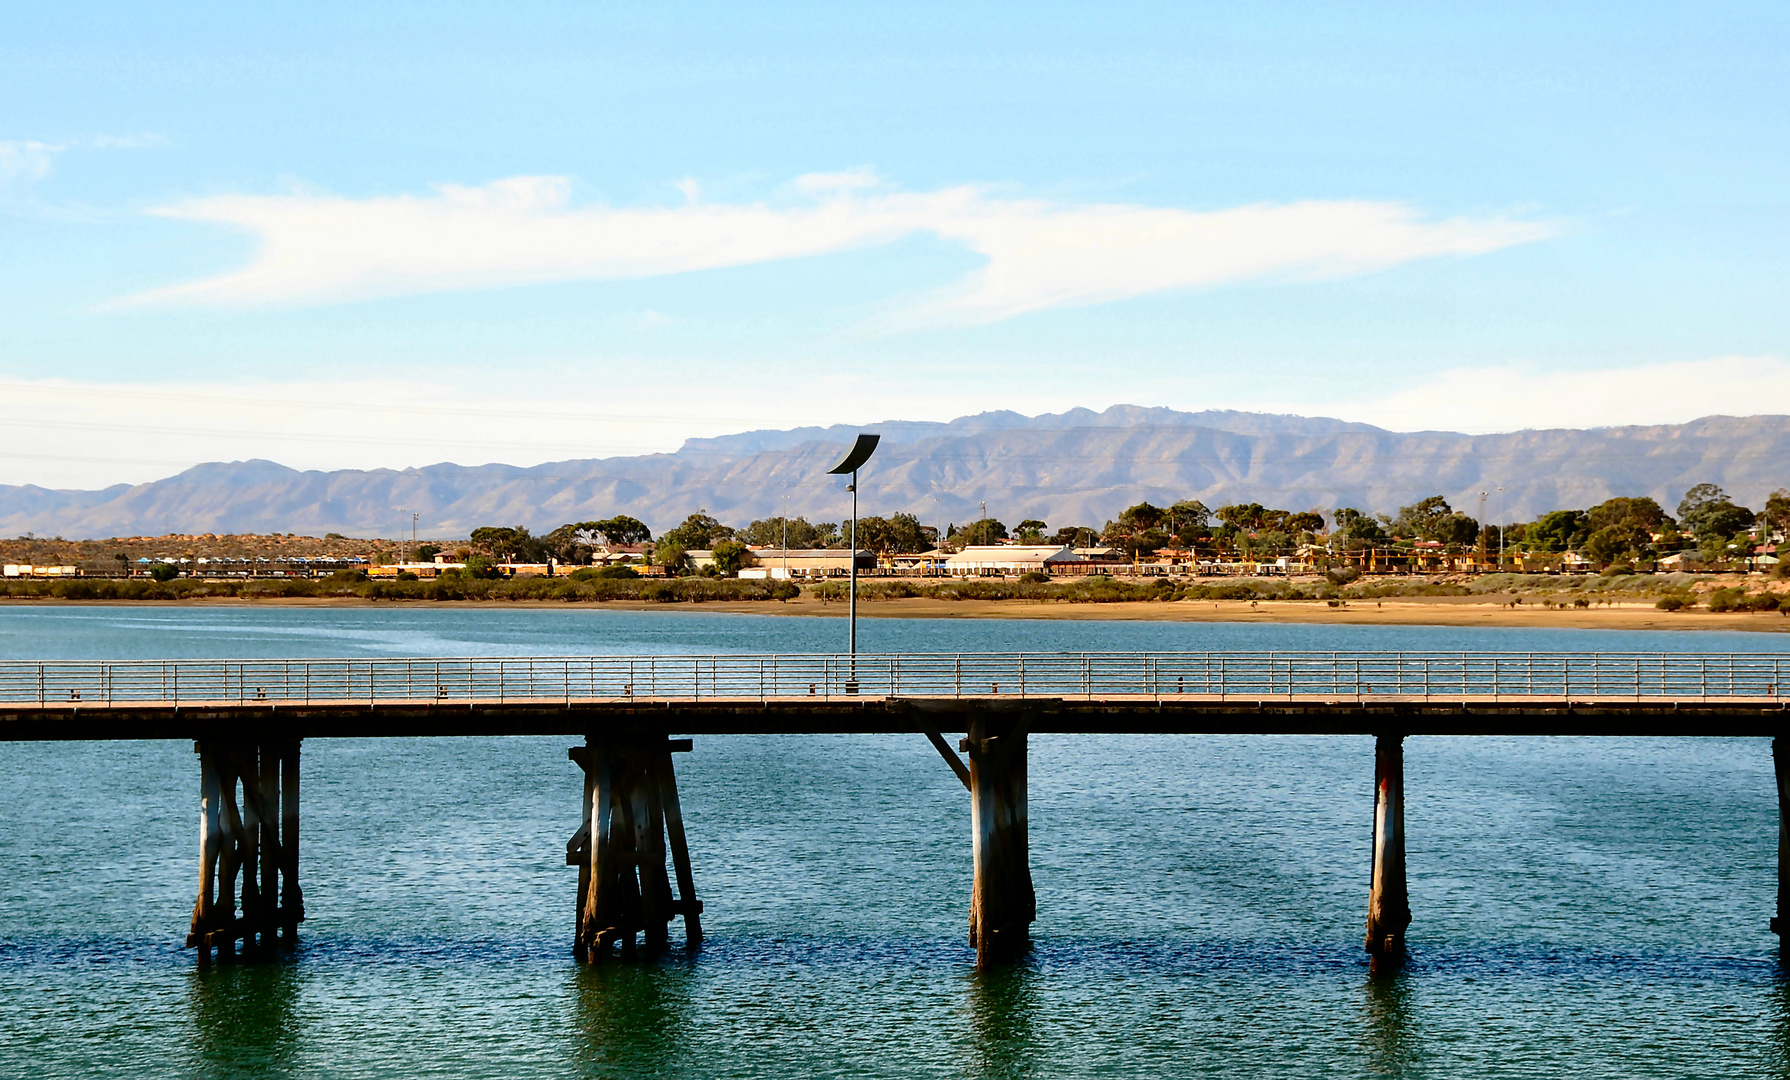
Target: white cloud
x=26, y=161
x=316, y=248
x=1519, y=396
x=57, y=433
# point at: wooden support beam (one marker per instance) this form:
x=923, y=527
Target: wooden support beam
x=1780, y=759
x=210, y=841
x=292, y=897
x=687, y=905
x=957, y=766
x=1003, y=904
x=1388, y=904
x=271, y=854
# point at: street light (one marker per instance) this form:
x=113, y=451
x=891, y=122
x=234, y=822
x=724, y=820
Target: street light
x=850, y=463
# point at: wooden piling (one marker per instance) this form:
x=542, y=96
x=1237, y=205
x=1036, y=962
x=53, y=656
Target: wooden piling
x=1780, y=759
x=253, y=834
x=292, y=897
x=631, y=807
x=1003, y=904
x=1388, y=904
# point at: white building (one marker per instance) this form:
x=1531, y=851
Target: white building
x=994, y=560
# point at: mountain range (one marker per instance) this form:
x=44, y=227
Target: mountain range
x=1080, y=467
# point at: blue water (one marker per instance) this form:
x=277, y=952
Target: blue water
x=1597, y=908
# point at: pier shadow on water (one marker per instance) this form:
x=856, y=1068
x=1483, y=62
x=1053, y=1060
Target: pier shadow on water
x=1391, y=1038
x=1003, y=1012
x=632, y=1019
x=245, y=1020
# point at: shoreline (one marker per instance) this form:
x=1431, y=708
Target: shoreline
x=1448, y=611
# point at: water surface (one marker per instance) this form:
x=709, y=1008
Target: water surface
x=1583, y=906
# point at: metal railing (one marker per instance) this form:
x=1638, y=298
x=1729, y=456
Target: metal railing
x=569, y=679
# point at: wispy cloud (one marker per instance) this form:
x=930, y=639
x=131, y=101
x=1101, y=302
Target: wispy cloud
x=27, y=161
x=1518, y=396
x=318, y=248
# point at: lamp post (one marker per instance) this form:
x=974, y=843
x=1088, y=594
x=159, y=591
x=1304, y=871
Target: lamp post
x=850, y=463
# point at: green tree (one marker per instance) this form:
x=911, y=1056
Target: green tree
x=897, y=533
x=1560, y=530
x=1627, y=513
x=164, y=571
x=699, y=531
x=1356, y=529
x=1137, y=530
x=985, y=531
x=672, y=556
x=1075, y=535
x=1777, y=512
x=1423, y=520
x=509, y=544
x=427, y=552
x=1031, y=530
x=479, y=566
x=1710, y=514
x=731, y=556
x=772, y=532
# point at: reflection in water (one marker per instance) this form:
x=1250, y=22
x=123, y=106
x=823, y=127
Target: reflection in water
x=244, y=1022
x=1779, y=1053
x=1003, y=1017
x=632, y=1019
x=1392, y=1048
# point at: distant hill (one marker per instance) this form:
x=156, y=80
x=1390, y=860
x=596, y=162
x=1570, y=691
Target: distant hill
x=1073, y=468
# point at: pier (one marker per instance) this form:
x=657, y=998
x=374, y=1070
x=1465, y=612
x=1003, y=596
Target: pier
x=248, y=719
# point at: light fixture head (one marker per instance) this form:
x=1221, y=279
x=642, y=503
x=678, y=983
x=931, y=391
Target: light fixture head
x=858, y=454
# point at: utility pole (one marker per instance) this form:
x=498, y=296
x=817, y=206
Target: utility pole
x=1503, y=517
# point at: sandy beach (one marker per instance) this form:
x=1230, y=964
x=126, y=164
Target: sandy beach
x=1404, y=611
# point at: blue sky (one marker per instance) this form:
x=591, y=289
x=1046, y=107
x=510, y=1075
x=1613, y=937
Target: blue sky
x=391, y=235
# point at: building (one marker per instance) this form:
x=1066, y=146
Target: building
x=780, y=563
x=1000, y=560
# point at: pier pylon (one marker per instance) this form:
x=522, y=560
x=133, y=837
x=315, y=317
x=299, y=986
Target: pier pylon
x=248, y=829
x=632, y=818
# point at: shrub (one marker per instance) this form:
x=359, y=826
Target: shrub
x=164, y=571
x=1034, y=577
x=785, y=590
x=1726, y=600
x=662, y=592
x=1763, y=602
x=405, y=575
x=1671, y=603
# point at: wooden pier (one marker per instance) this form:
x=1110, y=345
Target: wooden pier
x=248, y=720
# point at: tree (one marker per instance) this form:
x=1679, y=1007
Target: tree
x=698, y=531
x=731, y=555
x=622, y=530
x=774, y=532
x=1356, y=529
x=1628, y=513
x=1710, y=514
x=1560, y=530
x=509, y=544
x=1610, y=544
x=672, y=556
x=427, y=552
x=1422, y=519
x=1138, y=530
x=985, y=531
x=1777, y=512
x=1031, y=530
x=1457, y=529
x=896, y=533
x=1075, y=535
x=1309, y=521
